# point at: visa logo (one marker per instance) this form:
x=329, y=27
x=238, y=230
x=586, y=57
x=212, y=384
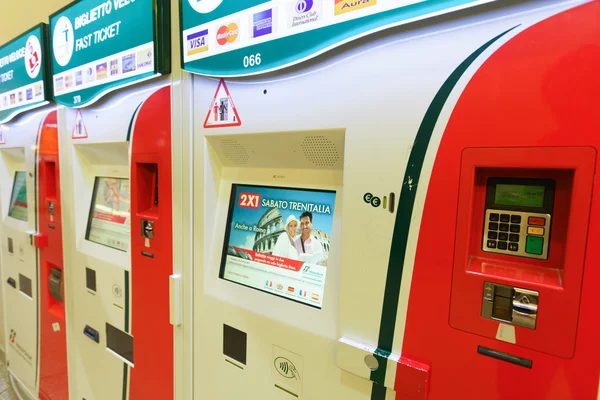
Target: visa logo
x=197, y=42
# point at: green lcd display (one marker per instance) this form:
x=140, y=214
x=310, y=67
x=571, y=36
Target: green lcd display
x=520, y=195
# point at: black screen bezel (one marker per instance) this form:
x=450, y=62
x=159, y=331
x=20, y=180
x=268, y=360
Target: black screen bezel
x=92, y=206
x=232, y=199
x=549, y=193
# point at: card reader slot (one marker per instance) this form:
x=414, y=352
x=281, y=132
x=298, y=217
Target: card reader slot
x=91, y=333
x=509, y=358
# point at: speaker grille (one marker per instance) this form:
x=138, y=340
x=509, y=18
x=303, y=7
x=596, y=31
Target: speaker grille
x=321, y=151
x=234, y=151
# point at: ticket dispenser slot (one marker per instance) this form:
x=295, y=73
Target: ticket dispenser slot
x=509, y=304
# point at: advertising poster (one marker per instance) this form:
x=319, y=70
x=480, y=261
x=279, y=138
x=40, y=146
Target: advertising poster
x=18, y=199
x=109, y=221
x=278, y=241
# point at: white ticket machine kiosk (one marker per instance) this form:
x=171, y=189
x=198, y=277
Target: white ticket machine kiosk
x=20, y=261
x=32, y=270
x=311, y=179
x=111, y=76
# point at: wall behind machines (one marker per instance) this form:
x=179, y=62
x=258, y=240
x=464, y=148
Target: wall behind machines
x=16, y=16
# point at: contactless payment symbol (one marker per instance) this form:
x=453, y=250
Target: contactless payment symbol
x=222, y=111
x=79, y=130
x=33, y=56
x=63, y=41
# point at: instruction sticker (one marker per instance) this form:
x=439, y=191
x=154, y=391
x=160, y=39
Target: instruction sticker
x=222, y=111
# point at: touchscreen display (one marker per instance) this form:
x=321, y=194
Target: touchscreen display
x=18, y=198
x=278, y=241
x=520, y=195
x=109, y=222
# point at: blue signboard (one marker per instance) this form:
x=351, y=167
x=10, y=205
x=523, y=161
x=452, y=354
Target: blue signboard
x=230, y=38
x=23, y=73
x=101, y=45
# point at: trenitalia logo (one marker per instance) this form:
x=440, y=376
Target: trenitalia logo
x=197, y=42
x=344, y=6
x=228, y=34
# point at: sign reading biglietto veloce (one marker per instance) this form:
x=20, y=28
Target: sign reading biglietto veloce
x=102, y=45
x=228, y=38
x=22, y=73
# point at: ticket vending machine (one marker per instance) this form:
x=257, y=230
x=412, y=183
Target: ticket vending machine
x=33, y=264
x=117, y=181
x=366, y=227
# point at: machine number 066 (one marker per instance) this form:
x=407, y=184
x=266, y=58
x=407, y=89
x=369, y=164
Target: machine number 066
x=252, y=60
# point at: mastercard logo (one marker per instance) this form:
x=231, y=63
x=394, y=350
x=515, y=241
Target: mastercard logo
x=228, y=34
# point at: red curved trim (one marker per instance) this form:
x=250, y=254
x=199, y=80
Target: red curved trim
x=540, y=89
x=53, y=344
x=152, y=377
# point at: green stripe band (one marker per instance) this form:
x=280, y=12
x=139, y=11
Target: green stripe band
x=403, y=218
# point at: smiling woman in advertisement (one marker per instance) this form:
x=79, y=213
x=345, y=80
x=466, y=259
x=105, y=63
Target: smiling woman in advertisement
x=285, y=246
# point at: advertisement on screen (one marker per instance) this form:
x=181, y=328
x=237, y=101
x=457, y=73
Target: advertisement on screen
x=109, y=219
x=18, y=199
x=278, y=241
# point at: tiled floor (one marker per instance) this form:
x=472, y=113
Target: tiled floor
x=6, y=392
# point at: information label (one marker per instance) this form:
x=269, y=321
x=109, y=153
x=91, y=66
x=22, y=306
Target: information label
x=229, y=38
x=22, y=73
x=102, y=45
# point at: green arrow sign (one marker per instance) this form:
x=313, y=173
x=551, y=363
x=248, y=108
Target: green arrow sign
x=229, y=38
x=22, y=73
x=102, y=45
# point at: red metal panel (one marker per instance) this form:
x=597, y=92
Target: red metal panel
x=53, y=345
x=540, y=89
x=152, y=376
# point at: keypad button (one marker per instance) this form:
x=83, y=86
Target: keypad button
x=502, y=245
x=504, y=217
x=515, y=228
x=503, y=236
x=534, y=245
x=491, y=244
x=492, y=235
x=504, y=227
x=513, y=247
x=493, y=226
x=539, y=221
x=534, y=230
x=494, y=217
x=514, y=237
x=515, y=219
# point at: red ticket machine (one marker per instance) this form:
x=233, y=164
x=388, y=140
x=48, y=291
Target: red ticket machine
x=53, y=346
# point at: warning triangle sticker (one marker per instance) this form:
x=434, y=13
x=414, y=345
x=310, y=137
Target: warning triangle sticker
x=222, y=111
x=79, y=130
x=2, y=139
